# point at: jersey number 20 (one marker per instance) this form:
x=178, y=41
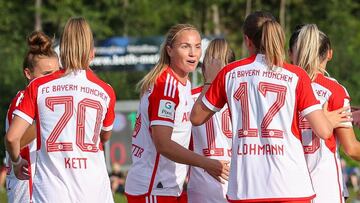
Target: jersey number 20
x=67, y=102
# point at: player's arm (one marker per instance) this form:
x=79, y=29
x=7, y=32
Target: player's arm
x=13, y=136
x=29, y=136
x=323, y=124
x=349, y=142
x=356, y=117
x=12, y=143
x=200, y=113
x=105, y=136
x=161, y=136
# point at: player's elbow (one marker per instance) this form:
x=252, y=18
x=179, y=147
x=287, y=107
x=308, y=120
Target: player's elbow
x=10, y=139
x=324, y=133
x=194, y=120
x=162, y=148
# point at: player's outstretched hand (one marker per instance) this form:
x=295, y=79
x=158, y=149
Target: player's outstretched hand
x=338, y=117
x=21, y=170
x=211, y=68
x=218, y=169
x=356, y=118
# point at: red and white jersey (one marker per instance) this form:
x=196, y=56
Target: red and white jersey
x=322, y=156
x=19, y=190
x=213, y=140
x=70, y=111
x=268, y=161
x=167, y=103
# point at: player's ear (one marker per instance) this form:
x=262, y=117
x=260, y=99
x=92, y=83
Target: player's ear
x=27, y=73
x=329, y=55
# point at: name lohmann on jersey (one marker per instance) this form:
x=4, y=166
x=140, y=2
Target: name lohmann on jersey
x=166, y=109
x=256, y=149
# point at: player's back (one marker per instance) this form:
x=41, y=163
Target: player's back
x=72, y=109
x=264, y=106
x=322, y=156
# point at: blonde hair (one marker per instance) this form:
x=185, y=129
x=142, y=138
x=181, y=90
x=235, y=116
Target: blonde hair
x=307, y=50
x=164, y=59
x=267, y=36
x=76, y=44
x=220, y=49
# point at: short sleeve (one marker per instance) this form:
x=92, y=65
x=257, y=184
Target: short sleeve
x=215, y=97
x=27, y=107
x=110, y=114
x=163, y=101
x=340, y=98
x=305, y=97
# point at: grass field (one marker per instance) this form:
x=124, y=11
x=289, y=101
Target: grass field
x=118, y=198
x=122, y=198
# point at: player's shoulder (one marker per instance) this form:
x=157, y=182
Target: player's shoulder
x=46, y=78
x=167, y=84
x=331, y=84
x=239, y=63
x=92, y=77
x=295, y=69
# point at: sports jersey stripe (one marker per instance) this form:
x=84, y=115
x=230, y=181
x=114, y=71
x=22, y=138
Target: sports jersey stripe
x=24, y=116
x=170, y=87
x=209, y=105
x=338, y=179
x=153, y=173
x=108, y=128
x=174, y=90
x=311, y=109
x=161, y=122
x=166, y=84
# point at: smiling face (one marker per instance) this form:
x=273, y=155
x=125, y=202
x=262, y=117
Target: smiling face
x=185, y=52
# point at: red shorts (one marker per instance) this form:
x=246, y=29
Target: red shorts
x=156, y=199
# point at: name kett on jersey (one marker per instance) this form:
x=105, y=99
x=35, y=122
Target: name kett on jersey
x=75, y=163
x=255, y=149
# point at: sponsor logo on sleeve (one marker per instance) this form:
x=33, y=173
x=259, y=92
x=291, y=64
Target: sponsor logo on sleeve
x=166, y=109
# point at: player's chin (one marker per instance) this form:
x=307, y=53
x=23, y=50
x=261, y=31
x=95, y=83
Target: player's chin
x=190, y=67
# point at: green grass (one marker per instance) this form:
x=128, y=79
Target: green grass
x=118, y=198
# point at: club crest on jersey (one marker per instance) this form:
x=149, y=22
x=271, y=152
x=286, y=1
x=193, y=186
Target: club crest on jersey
x=166, y=109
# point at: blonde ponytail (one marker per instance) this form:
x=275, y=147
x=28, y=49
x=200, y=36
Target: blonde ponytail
x=307, y=50
x=272, y=43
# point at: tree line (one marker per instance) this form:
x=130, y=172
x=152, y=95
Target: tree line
x=339, y=19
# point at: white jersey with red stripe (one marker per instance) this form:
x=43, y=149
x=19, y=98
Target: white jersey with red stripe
x=268, y=161
x=19, y=191
x=322, y=156
x=213, y=140
x=167, y=103
x=70, y=111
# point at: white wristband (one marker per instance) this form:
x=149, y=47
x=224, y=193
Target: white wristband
x=17, y=162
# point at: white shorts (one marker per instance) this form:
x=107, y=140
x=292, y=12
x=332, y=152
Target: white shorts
x=18, y=191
